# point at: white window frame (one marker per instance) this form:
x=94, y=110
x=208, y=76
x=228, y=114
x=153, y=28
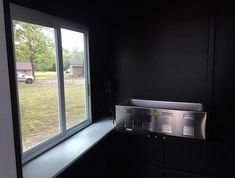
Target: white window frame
x=31, y=16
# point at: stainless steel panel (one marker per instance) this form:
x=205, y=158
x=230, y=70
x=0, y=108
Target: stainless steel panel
x=163, y=104
x=182, y=123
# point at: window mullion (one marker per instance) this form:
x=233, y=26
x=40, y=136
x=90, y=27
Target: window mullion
x=60, y=73
x=87, y=76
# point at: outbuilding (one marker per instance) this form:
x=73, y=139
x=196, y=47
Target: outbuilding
x=76, y=68
x=24, y=67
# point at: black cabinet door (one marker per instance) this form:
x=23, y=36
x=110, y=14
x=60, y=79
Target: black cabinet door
x=216, y=159
x=145, y=150
x=186, y=155
x=130, y=149
x=174, y=174
x=140, y=171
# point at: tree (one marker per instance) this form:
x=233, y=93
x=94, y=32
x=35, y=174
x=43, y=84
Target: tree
x=66, y=58
x=69, y=55
x=33, y=44
x=75, y=54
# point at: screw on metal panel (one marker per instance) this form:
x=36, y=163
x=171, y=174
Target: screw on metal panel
x=148, y=136
x=155, y=137
x=164, y=138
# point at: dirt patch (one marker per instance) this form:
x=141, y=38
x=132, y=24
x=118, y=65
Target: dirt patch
x=50, y=82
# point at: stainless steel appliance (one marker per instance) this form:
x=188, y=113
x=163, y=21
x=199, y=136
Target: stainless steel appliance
x=171, y=118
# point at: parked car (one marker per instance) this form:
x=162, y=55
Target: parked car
x=24, y=78
x=67, y=71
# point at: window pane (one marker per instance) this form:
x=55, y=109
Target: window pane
x=74, y=76
x=37, y=82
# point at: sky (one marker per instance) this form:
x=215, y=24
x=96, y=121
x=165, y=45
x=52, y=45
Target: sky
x=72, y=40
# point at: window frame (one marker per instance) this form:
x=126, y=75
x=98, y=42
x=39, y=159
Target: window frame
x=36, y=17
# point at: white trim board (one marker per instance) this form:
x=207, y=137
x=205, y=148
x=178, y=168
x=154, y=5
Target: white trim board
x=7, y=149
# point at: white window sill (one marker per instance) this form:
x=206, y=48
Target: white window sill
x=56, y=160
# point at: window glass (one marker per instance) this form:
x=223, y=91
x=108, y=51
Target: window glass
x=74, y=76
x=37, y=82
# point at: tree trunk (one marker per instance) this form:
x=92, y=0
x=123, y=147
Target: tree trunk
x=33, y=68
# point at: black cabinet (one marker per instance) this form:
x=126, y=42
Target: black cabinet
x=145, y=149
x=209, y=158
x=186, y=155
x=142, y=149
x=137, y=155
x=131, y=155
x=140, y=171
x=156, y=151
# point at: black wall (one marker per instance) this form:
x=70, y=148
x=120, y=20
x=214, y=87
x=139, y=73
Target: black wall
x=162, y=51
x=224, y=73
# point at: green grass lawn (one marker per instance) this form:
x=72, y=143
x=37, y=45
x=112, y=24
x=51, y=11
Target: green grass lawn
x=49, y=75
x=39, y=107
x=45, y=75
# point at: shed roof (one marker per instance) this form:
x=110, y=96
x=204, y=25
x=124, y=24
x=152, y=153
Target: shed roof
x=23, y=66
x=76, y=62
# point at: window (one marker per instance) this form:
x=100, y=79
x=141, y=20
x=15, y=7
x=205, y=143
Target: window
x=74, y=78
x=52, y=69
